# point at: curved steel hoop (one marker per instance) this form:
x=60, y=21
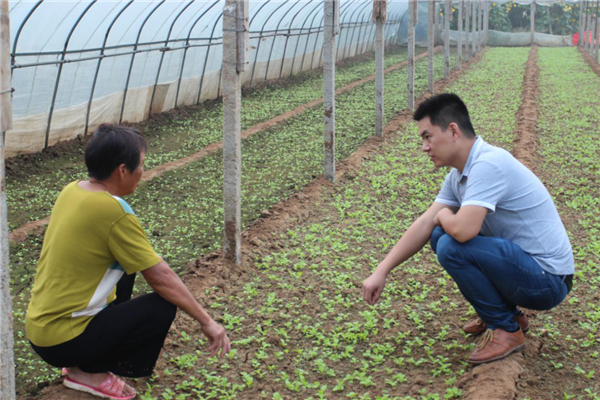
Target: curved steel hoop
x=89, y=106
x=60, y=68
x=135, y=49
x=162, y=56
x=187, y=46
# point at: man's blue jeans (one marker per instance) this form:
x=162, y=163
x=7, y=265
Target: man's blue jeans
x=495, y=276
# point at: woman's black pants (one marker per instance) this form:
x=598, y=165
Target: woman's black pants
x=125, y=338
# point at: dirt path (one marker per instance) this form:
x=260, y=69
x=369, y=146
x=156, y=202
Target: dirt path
x=35, y=227
x=590, y=60
x=498, y=380
x=213, y=271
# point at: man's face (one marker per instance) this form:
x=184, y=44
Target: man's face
x=437, y=143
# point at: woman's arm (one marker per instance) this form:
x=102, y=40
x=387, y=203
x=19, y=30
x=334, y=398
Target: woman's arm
x=169, y=286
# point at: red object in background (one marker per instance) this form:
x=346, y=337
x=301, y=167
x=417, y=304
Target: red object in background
x=587, y=37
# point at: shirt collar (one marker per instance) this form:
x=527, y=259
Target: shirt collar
x=472, y=156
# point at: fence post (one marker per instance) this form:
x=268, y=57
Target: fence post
x=467, y=29
x=459, y=44
x=380, y=15
x=533, y=7
x=473, y=28
x=595, y=40
x=477, y=25
x=487, y=22
x=330, y=30
x=588, y=44
x=580, y=41
x=481, y=24
x=431, y=10
x=7, y=360
x=412, y=7
x=235, y=52
x=447, y=18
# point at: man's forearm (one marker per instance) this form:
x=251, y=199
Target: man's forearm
x=413, y=240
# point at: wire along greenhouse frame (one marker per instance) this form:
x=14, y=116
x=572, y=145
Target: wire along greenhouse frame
x=295, y=20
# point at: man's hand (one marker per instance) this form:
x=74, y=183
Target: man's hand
x=443, y=211
x=217, y=338
x=373, y=287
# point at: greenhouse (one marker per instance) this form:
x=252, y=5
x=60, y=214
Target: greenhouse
x=284, y=155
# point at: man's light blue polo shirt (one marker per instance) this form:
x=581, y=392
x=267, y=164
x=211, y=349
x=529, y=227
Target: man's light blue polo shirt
x=520, y=208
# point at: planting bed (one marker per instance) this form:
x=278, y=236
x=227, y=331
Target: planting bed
x=35, y=181
x=182, y=210
x=568, y=162
x=295, y=313
x=299, y=325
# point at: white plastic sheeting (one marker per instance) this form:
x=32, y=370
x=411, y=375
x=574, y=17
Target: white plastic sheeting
x=134, y=58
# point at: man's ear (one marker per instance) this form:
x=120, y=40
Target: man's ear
x=456, y=132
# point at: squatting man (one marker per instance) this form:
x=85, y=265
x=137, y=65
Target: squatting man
x=494, y=228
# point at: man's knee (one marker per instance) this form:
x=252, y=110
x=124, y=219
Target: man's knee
x=446, y=248
x=436, y=234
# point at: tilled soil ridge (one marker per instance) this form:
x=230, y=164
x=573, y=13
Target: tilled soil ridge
x=20, y=234
x=498, y=380
x=590, y=60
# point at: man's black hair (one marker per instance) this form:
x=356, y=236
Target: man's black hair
x=443, y=109
x=111, y=146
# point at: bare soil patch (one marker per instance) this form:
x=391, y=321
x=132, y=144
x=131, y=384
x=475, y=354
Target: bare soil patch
x=525, y=142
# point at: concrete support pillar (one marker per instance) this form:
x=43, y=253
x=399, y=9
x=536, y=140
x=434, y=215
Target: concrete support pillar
x=597, y=53
x=581, y=24
x=532, y=12
x=331, y=15
x=474, y=28
x=588, y=43
x=379, y=76
x=412, y=22
x=481, y=23
x=431, y=11
x=595, y=35
x=467, y=29
x=235, y=44
x=477, y=25
x=447, y=18
x=7, y=358
x=459, y=45
x=486, y=23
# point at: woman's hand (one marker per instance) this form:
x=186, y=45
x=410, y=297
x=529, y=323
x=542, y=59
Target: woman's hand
x=217, y=338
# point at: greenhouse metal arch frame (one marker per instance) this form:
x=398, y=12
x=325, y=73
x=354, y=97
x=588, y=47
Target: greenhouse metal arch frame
x=127, y=60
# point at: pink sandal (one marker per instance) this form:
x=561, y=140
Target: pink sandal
x=110, y=388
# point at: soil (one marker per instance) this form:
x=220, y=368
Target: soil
x=590, y=60
x=19, y=166
x=23, y=166
x=525, y=141
x=261, y=238
x=540, y=378
x=519, y=374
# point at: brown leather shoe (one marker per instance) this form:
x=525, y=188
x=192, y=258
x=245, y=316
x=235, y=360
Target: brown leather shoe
x=497, y=344
x=477, y=326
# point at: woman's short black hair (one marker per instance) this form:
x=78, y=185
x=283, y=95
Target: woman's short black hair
x=111, y=146
x=443, y=109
